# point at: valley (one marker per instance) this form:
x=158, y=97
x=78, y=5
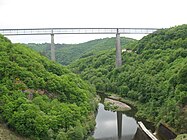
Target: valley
x=43, y=99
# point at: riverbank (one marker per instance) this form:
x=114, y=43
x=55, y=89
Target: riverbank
x=123, y=100
x=139, y=115
x=116, y=105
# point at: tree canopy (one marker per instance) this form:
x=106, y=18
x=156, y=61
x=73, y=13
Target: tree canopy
x=41, y=99
x=154, y=74
x=67, y=53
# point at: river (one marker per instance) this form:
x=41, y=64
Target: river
x=114, y=125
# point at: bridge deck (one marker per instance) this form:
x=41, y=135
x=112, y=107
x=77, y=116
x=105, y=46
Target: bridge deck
x=47, y=31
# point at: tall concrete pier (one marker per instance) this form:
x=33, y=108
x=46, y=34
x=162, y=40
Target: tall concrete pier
x=118, y=50
x=52, y=31
x=52, y=47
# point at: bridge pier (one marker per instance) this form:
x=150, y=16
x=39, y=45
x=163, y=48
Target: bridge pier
x=52, y=47
x=118, y=50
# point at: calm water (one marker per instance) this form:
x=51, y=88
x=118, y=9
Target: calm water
x=114, y=125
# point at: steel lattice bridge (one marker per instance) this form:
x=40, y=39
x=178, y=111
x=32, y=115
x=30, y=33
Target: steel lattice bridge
x=53, y=31
x=48, y=31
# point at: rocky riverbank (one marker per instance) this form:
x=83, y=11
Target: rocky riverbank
x=116, y=105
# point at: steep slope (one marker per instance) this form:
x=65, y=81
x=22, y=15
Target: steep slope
x=154, y=75
x=41, y=99
x=7, y=134
x=67, y=53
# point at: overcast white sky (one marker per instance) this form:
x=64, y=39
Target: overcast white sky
x=89, y=13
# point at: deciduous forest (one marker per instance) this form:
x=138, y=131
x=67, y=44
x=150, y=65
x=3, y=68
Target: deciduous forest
x=42, y=99
x=154, y=75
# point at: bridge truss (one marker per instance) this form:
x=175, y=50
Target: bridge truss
x=53, y=31
x=47, y=31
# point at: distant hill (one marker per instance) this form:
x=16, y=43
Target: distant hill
x=67, y=53
x=41, y=99
x=154, y=75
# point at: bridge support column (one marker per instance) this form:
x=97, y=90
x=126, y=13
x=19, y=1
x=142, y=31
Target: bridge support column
x=52, y=48
x=118, y=50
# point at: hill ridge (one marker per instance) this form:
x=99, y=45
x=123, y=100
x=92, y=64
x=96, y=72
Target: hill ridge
x=67, y=53
x=41, y=99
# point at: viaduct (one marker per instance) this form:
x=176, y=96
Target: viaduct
x=55, y=31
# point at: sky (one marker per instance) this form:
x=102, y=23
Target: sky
x=89, y=13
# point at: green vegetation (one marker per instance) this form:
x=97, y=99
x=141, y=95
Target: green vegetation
x=115, y=105
x=6, y=134
x=67, y=53
x=181, y=137
x=41, y=99
x=154, y=75
x=110, y=106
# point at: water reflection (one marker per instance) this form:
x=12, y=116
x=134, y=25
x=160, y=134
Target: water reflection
x=119, y=123
x=114, y=125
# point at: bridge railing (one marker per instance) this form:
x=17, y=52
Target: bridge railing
x=47, y=31
x=52, y=31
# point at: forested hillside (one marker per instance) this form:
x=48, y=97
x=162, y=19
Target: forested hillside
x=154, y=75
x=41, y=99
x=67, y=53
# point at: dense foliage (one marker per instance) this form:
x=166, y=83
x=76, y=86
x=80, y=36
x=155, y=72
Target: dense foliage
x=154, y=74
x=41, y=99
x=67, y=53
